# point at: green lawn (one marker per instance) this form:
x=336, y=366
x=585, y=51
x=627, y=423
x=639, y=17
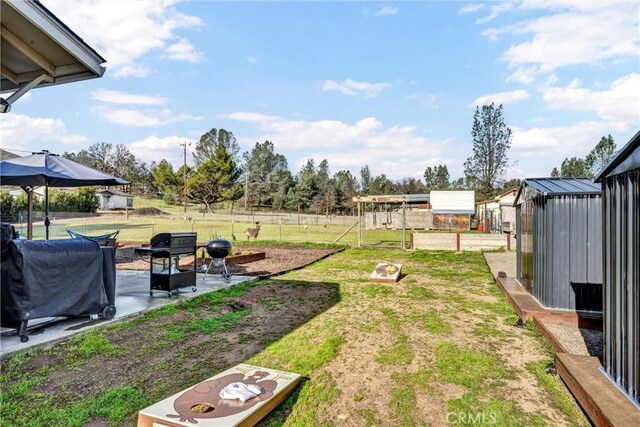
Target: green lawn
x=439, y=346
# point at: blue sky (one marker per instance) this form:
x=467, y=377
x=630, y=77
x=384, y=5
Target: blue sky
x=392, y=84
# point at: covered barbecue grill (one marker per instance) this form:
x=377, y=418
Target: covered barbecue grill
x=52, y=278
x=165, y=252
x=218, y=250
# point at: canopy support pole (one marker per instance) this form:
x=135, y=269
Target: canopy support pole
x=29, y=191
x=46, y=211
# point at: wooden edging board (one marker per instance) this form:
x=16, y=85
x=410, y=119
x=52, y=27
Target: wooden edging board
x=601, y=400
x=176, y=410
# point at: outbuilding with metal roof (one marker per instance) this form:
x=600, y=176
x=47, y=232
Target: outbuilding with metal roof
x=559, y=242
x=621, y=267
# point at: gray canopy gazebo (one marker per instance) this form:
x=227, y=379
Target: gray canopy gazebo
x=50, y=170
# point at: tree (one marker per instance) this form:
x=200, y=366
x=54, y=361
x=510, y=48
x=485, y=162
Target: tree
x=555, y=172
x=365, y=180
x=381, y=185
x=574, y=167
x=206, y=146
x=345, y=189
x=164, y=178
x=491, y=141
x=264, y=168
x=323, y=201
x=283, y=181
x=306, y=185
x=124, y=164
x=436, y=177
x=216, y=179
x=97, y=156
x=512, y=183
x=600, y=156
x=409, y=186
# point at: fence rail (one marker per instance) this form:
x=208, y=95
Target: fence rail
x=462, y=241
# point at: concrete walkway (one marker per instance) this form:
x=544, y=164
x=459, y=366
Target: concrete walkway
x=132, y=298
x=501, y=261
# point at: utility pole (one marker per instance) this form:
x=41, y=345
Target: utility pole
x=184, y=145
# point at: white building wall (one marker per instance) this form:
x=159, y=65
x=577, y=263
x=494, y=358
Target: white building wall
x=453, y=200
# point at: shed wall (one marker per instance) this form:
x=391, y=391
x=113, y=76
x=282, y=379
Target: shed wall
x=560, y=251
x=621, y=199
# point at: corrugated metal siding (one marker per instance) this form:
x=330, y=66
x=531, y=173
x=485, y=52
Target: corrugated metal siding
x=621, y=221
x=524, y=244
x=560, y=249
x=564, y=186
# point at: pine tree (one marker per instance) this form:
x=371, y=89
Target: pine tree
x=216, y=179
x=491, y=141
x=600, y=156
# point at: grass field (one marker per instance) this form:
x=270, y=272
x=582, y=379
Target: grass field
x=285, y=227
x=439, y=347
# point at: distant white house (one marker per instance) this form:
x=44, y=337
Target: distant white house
x=38, y=192
x=110, y=199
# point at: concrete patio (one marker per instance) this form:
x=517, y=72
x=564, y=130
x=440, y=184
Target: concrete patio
x=132, y=299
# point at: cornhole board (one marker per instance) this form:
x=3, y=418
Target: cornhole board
x=202, y=406
x=386, y=273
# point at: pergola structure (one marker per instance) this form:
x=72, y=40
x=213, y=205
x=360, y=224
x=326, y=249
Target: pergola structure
x=37, y=49
x=397, y=199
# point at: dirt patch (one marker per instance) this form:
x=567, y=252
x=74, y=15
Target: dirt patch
x=278, y=259
x=149, y=212
x=275, y=309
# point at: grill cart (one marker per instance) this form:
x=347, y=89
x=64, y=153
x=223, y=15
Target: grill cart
x=164, y=255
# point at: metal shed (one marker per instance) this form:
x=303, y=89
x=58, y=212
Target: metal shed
x=621, y=234
x=559, y=242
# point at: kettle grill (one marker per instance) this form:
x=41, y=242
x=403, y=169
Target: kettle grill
x=218, y=250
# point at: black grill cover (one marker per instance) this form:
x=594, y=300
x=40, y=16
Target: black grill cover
x=7, y=233
x=48, y=278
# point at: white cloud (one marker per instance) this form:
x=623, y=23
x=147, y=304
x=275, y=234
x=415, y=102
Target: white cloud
x=619, y=103
x=503, y=98
x=495, y=11
x=154, y=148
x=19, y=131
x=183, y=50
x=397, y=151
x=354, y=88
x=116, y=97
x=254, y=59
x=243, y=116
x=131, y=70
x=142, y=118
x=524, y=75
x=123, y=32
x=387, y=11
x=470, y=8
x=574, y=33
x=560, y=141
x=427, y=100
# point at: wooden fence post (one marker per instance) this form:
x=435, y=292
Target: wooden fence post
x=458, y=242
